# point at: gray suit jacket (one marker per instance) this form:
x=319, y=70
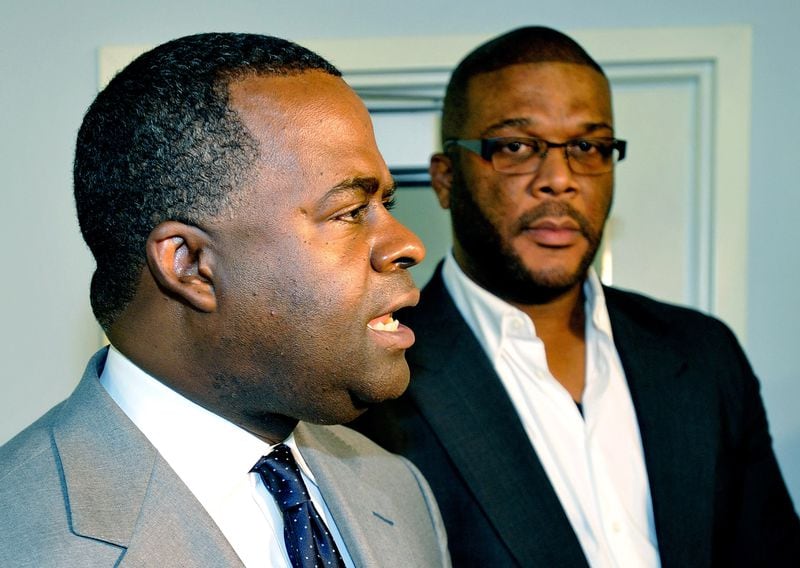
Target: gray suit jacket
x=83, y=487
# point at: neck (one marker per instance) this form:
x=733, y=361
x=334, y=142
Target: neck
x=272, y=431
x=560, y=314
x=561, y=325
x=171, y=362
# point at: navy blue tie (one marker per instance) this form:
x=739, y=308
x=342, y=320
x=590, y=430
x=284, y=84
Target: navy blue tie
x=308, y=541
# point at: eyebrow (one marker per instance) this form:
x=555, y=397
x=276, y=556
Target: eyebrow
x=505, y=124
x=368, y=185
x=589, y=127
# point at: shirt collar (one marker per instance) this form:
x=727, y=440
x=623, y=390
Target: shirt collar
x=596, y=304
x=210, y=454
x=484, y=312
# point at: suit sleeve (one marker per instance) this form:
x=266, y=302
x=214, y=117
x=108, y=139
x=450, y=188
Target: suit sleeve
x=765, y=529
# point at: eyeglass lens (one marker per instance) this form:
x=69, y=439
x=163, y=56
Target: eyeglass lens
x=585, y=156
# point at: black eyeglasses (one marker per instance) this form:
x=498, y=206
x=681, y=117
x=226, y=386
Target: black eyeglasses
x=524, y=155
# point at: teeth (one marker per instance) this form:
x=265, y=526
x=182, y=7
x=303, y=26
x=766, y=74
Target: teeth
x=391, y=325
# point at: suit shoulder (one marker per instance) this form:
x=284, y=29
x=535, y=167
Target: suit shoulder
x=345, y=441
x=361, y=454
x=657, y=312
x=32, y=446
x=619, y=297
x=33, y=505
x=701, y=340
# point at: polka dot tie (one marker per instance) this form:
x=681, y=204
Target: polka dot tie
x=308, y=541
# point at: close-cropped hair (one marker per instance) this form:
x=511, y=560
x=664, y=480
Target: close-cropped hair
x=532, y=44
x=161, y=142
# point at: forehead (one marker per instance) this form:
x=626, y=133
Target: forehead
x=312, y=129
x=277, y=108
x=550, y=95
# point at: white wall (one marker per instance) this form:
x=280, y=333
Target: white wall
x=48, y=77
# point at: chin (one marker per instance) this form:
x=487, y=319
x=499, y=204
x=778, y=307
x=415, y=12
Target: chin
x=402, y=377
x=557, y=274
x=557, y=280
x=393, y=383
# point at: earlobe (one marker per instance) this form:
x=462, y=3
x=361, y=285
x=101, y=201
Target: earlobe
x=441, y=171
x=179, y=259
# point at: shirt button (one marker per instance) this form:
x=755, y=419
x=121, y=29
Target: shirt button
x=616, y=527
x=516, y=324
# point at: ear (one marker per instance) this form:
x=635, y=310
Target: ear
x=180, y=260
x=441, y=171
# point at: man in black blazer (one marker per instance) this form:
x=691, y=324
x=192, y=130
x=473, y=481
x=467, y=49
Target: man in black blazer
x=560, y=422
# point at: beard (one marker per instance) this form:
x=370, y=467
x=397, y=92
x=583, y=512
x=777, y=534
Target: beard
x=491, y=261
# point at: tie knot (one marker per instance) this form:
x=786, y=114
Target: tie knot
x=281, y=476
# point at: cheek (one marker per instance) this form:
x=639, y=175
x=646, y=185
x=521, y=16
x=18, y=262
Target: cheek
x=318, y=304
x=599, y=207
x=493, y=199
x=503, y=206
x=311, y=290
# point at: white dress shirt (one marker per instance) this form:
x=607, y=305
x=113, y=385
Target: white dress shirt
x=213, y=457
x=595, y=462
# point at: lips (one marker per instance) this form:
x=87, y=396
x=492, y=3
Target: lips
x=389, y=332
x=554, y=232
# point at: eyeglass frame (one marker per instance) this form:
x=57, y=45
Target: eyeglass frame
x=485, y=148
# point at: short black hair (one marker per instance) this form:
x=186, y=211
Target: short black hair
x=532, y=44
x=161, y=142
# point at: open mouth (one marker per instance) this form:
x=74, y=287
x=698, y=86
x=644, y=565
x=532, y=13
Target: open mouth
x=390, y=333
x=384, y=323
x=387, y=332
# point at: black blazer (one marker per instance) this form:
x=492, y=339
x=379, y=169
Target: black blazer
x=718, y=495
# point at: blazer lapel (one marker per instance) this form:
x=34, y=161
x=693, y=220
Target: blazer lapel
x=467, y=406
x=174, y=529
x=678, y=422
x=119, y=490
x=368, y=514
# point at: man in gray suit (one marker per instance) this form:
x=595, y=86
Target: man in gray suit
x=231, y=191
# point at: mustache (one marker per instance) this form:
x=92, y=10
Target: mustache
x=554, y=209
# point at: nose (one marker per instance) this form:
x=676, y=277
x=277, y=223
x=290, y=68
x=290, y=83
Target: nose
x=554, y=176
x=396, y=247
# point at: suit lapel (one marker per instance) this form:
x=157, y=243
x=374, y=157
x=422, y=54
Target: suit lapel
x=350, y=509
x=470, y=412
x=678, y=422
x=119, y=489
x=359, y=496
x=174, y=528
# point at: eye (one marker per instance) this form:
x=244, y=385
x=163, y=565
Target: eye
x=591, y=147
x=389, y=202
x=516, y=147
x=354, y=214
